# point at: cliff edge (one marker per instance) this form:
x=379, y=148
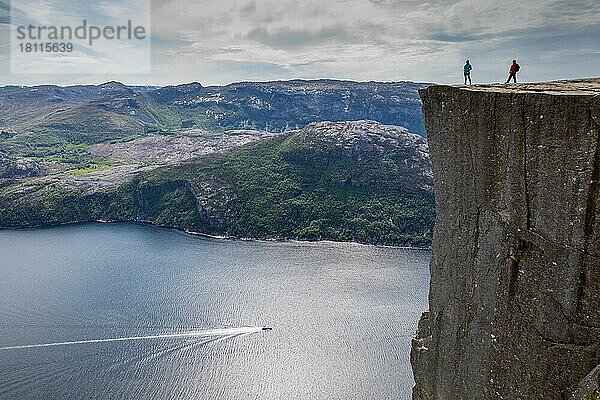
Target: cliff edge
x=514, y=304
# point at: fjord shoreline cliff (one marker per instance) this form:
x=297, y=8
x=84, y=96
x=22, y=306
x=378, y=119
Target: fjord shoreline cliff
x=514, y=307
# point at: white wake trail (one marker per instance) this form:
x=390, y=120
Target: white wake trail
x=208, y=332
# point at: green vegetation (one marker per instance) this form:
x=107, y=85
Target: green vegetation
x=69, y=153
x=593, y=396
x=287, y=187
x=89, y=168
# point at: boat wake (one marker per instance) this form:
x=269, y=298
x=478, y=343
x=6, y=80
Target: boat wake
x=223, y=332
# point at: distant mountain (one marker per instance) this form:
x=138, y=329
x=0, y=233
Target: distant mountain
x=353, y=180
x=285, y=105
x=113, y=111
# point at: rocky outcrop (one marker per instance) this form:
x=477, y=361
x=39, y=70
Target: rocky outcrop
x=169, y=149
x=13, y=167
x=514, y=305
x=363, y=139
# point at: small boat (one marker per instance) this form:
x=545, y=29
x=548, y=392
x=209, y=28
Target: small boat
x=267, y=328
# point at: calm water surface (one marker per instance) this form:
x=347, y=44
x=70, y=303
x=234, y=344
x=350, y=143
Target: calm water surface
x=342, y=316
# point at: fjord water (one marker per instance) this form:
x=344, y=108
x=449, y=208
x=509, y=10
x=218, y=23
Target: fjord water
x=187, y=312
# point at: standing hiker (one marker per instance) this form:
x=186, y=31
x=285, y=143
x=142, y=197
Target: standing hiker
x=467, y=70
x=512, y=72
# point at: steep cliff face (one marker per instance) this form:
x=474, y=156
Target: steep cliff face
x=514, y=307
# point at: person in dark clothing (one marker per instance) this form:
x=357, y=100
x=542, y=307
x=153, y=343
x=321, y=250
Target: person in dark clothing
x=512, y=72
x=467, y=70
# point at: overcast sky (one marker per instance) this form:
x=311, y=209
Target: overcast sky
x=223, y=41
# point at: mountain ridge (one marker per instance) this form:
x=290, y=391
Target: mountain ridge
x=272, y=106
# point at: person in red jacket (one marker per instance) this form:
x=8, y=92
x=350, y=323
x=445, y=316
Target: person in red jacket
x=512, y=72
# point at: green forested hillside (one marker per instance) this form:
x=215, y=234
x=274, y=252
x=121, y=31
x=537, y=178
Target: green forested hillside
x=358, y=181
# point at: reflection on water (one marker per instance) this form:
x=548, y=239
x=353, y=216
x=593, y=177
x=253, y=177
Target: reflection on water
x=130, y=311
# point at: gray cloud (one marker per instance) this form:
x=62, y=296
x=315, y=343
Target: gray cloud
x=286, y=39
x=220, y=41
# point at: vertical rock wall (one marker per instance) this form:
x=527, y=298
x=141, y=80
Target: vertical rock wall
x=515, y=271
